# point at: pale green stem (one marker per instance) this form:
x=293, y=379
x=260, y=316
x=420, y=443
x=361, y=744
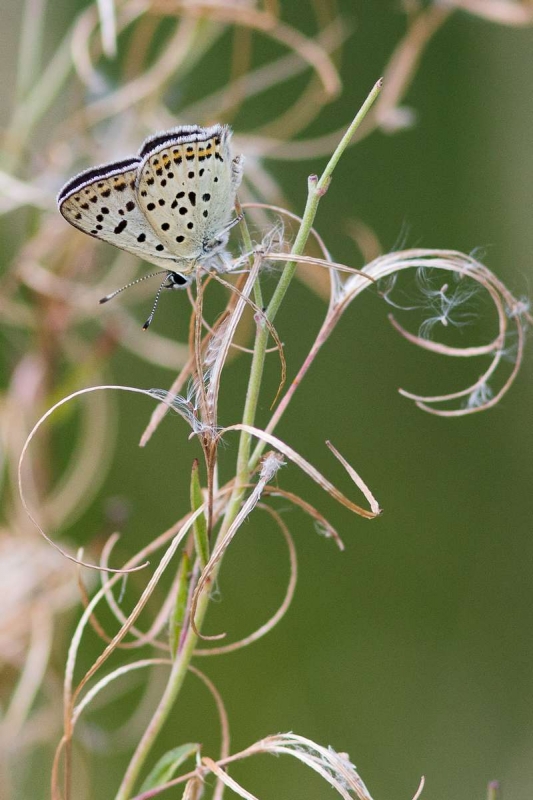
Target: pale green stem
x=317, y=188
x=322, y=336
x=247, y=241
x=165, y=706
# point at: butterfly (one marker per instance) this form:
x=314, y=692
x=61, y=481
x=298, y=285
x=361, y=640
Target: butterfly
x=171, y=204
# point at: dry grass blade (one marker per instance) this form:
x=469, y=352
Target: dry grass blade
x=222, y=715
x=266, y=76
x=33, y=432
x=225, y=341
x=273, y=621
x=420, y=788
x=22, y=698
x=334, y=767
x=319, y=262
x=223, y=776
x=188, y=367
x=403, y=65
x=442, y=349
x=290, y=215
x=108, y=23
x=21, y=480
x=271, y=463
x=261, y=319
x=507, y=308
x=150, y=80
x=325, y=527
x=141, y=603
x=108, y=679
x=504, y=12
x=161, y=620
x=304, y=465
x=237, y=14
x=373, y=503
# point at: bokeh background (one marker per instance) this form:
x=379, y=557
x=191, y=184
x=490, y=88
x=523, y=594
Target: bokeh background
x=413, y=649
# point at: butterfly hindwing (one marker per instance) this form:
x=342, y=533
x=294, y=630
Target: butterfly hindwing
x=186, y=186
x=102, y=202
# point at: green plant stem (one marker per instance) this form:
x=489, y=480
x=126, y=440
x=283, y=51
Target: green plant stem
x=316, y=189
x=162, y=712
x=247, y=240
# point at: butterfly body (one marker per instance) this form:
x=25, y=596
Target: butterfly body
x=171, y=205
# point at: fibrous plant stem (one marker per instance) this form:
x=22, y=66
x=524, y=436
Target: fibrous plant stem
x=317, y=187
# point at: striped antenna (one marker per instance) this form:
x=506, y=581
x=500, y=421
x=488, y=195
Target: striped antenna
x=156, y=301
x=166, y=272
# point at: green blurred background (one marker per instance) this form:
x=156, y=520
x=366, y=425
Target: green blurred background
x=413, y=649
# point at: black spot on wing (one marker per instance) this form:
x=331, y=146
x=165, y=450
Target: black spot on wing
x=121, y=226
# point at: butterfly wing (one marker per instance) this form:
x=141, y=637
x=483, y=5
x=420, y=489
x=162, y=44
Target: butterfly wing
x=102, y=202
x=186, y=186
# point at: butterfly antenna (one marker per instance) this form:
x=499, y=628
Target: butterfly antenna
x=127, y=286
x=156, y=301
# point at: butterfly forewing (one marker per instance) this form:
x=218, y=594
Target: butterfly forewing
x=186, y=185
x=102, y=202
